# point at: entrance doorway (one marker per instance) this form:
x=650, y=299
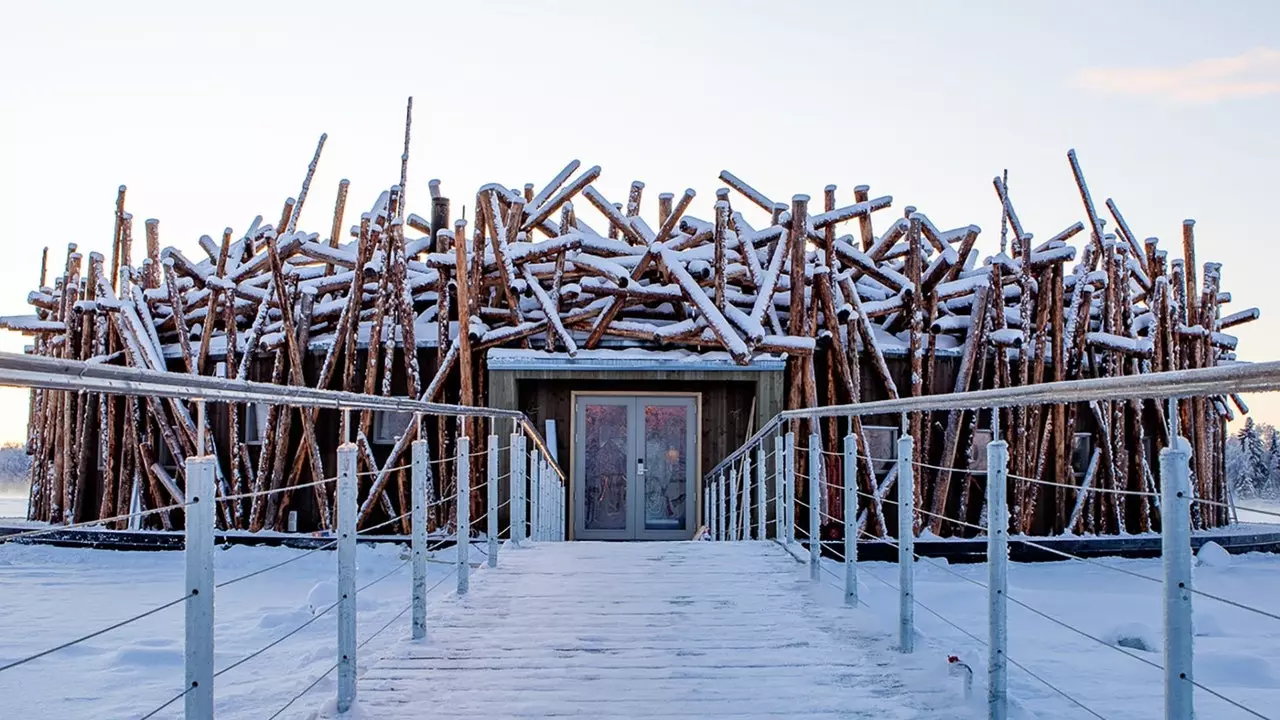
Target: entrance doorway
x=634, y=467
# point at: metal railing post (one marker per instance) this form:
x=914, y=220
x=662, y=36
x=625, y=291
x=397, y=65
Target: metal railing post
x=491, y=504
x=1175, y=540
x=516, y=487
x=814, y=490
x=715, y=508
x=198, y=554
x=721, y=515
x=850, y=520
x=535, y=497
x=746, y=498
x=418, y=522
x=906, y=545
x=348, y=510
x=997, y=579
x=731, y=505
x=707, y=505
x=779, y=488
x=789, y=483
x=560, y=529
x=463, y=537
x=760, y=492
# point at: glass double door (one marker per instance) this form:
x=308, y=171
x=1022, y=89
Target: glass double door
x=635, y=460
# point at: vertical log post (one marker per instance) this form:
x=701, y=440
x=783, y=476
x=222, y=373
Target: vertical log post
x=463, y=536
x=906, y=544
x=348, y=509
x=491, y=506
x=997, y=579
x=199, y=604
x=851, y=520
x=419, y=453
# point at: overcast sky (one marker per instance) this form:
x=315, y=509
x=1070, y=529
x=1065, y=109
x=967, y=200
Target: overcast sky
x=211, y=115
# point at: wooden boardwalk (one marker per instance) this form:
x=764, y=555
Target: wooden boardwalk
x=640, y=630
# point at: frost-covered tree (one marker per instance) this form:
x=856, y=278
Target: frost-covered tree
x=1254, y=468
x=1270, y=488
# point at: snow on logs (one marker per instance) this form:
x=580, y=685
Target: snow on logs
x=831, y=290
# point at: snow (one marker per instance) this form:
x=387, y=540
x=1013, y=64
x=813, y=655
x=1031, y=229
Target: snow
x=1237, y=652
x=50, y=595
x=638, y=630
x=1213, y=555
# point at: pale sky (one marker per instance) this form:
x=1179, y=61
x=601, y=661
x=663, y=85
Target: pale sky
x=210, y=115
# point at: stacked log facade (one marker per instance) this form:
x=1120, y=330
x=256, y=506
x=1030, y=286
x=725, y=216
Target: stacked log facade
x=863, y=301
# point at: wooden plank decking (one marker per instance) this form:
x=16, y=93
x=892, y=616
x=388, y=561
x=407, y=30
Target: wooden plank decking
x=639, y=630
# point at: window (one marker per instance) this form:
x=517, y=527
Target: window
x=882, y=447
x=255, y=423
x=981, y=438
x=388, y=426
x=1081, y=454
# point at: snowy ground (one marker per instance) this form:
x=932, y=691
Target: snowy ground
x=50, y=595
x=13, y=506
x=1237, y=652
x=1246, y=510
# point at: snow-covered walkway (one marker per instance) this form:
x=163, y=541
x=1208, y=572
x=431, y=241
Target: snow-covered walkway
x=632, y=630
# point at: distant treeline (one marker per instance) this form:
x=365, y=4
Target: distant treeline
x=15, y=469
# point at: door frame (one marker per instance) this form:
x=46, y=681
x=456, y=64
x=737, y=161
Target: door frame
x=571, y=490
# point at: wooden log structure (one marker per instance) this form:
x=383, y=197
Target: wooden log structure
x=862, y=305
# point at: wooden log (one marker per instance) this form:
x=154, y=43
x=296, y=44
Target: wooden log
x=973, y=347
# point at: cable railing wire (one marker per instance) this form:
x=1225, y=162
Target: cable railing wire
x=269, y=568
x=333, y=667
x=94, y=634
x=87, y=523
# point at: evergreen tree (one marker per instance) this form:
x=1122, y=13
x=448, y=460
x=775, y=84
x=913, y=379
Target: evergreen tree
x=1270, y=488
x=1255, y=470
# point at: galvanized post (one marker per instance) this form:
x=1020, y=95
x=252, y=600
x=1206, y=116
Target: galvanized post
x=560, y=531
x=746, y=497
x=815, y=506
x=789, y=482
x=535, y=497
x=715, y=508
x=721, y=510
x=418, y=523
x=463, y=537
x=199, y=604
x=731, y=504
x=347, y=513
x=1175, y=540
x=760, y=492
x=707, y=505
x=851, y=520
x=779, y=488
x=491, y=504
x=515, y=489
x=997, y=579
x=906, y=545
